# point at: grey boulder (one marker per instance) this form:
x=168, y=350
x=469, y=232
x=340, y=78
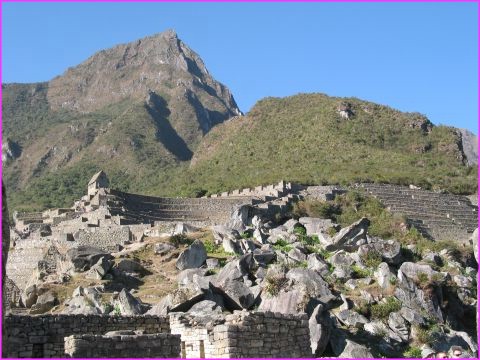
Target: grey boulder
x=350, y=237
x=44, y=303
x=236, y=294
x=388, y=249
x=29, y=296
x=320, y=328
x=384, y=276
x=128, y=304
x=163, y=248
x=239, y=218
x=355, y=351
x=316, y=263
x=85, y=301
x=193, y=257
x=85, y=256
x=100, y=269
x=182, y=228
x=475, y=243
x=129, y=266
x=315, y=226
x=399, y=326
x=351, y=318
x=181, y=299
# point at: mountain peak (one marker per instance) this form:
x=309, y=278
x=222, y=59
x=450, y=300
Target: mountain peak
x=161, y=62
x=169, y=33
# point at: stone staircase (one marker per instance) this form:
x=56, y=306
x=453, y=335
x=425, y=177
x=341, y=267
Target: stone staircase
x=437, y=216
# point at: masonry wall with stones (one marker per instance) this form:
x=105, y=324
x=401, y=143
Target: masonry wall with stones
x=43, y=336
x=11, y=294
x=23, y=260
x=244, y=335
x=123, y=346
x=106, y=238
x=274, y=190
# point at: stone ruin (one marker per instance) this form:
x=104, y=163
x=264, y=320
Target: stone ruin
x=242, y=334
x=436, y=216
x=108, y=218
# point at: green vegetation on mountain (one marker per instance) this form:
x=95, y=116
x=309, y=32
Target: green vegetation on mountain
x=304, y=139
x=300, y=138
x=151, y=116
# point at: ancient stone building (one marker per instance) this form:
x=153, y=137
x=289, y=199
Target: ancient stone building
x=98, y=181
x=243, y=334
x=44, y=335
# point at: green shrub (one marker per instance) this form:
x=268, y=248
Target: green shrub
x=245, y=235
x=413, y=352
x=325, y=254
x=107, y=308
x=371, y=259
x=422, y=279
x=409, y=255
x=282, y=245
x=310, y=240
x=363, y=308
x=211, y=247
x=315, y=208
x=273, y=284
x=300, y=264
x=300, y=231
x=211, y=272
x=180, y=239
x=359, y=273
x=424, y=335
x=383, y=309
x=331, y=231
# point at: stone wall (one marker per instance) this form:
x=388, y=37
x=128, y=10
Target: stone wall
x=323, y=193
x=43, y=336
x=273, y=190
x=123, y=346
x=11, y=294
x=23, y=260
x=106, y=238
x=245, y=334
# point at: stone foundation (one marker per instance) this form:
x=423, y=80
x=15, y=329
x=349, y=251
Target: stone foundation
x=244, y=335
x=123, y=346
x=43, y=336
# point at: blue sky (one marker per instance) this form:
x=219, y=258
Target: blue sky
x=411, y=56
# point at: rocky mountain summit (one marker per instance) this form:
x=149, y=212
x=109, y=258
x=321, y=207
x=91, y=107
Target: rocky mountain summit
x=160, y=64
x=145, y=106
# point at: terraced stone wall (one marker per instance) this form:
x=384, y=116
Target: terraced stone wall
x=43, y=336
x=438, y=216
x=140, y=209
